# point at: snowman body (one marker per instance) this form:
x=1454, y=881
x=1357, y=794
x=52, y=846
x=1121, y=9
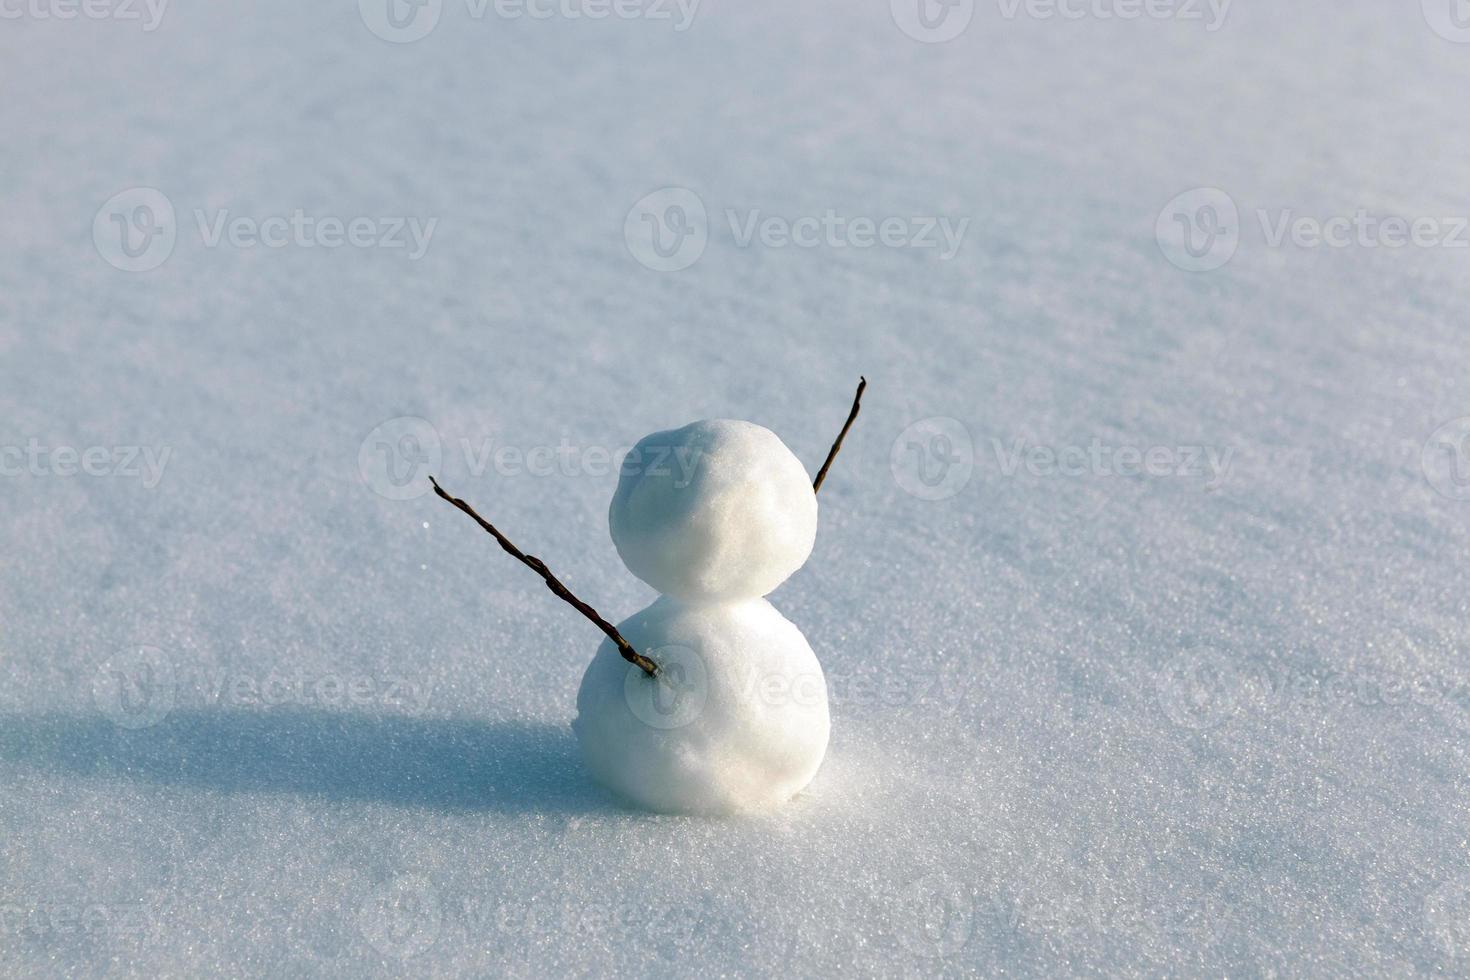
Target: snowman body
x=714, y=515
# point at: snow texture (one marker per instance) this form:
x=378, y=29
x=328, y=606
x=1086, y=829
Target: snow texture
x=269, y=709
x=735, y=720
x=716, y=510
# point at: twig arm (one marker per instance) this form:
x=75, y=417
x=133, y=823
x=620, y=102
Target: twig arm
x=857, y=400
x=554, y=584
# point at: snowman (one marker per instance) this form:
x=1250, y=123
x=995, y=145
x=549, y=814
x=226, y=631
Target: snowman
x=736, y=716
x=709, y=701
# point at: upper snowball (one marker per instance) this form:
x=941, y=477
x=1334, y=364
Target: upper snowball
x=717, y=510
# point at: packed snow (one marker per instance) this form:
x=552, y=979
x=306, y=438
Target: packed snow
x=734, y=720
x=1140, y=591
x=716, y=510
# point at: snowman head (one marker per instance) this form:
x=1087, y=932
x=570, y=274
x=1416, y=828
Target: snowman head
x=715, y=511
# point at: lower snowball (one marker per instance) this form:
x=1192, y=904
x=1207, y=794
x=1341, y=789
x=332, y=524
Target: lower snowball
x=735, y=720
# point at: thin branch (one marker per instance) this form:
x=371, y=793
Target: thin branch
x=857, y=400
x=561, y=591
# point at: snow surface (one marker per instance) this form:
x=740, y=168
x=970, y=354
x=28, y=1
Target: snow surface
x=1088, y=723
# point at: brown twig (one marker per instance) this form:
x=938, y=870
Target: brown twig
x=561, y=591
x=857, y=400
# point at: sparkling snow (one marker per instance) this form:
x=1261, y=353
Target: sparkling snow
x=1140, y=586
